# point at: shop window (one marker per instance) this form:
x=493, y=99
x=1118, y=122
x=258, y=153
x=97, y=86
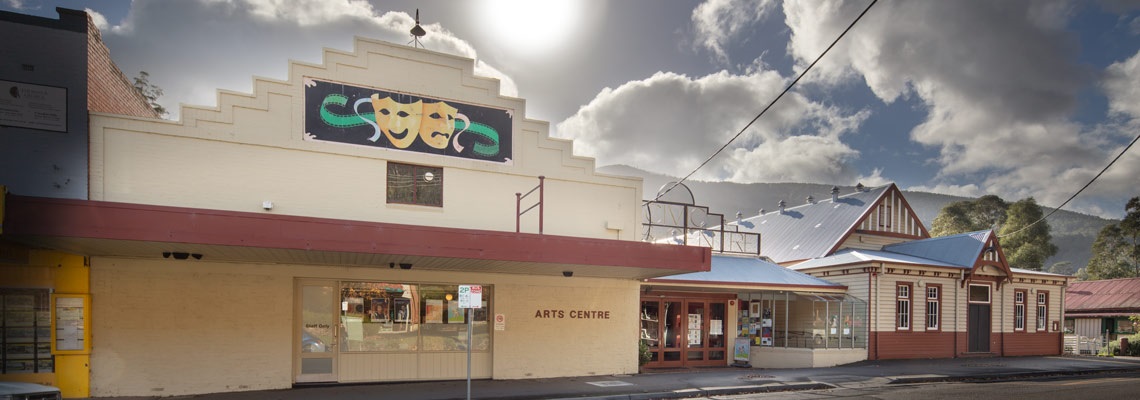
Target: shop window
x=25, y=315
x=1042, y=310
x=902, y=307
x=933, y=307
x=398, y=317
x=415, y=184
x=1019, y=310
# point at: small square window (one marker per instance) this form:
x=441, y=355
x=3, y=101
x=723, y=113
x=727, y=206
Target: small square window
x=979, y=293
x=415, y=184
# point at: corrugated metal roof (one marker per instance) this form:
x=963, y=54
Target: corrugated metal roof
x=1020, y=271
x=810, y=230
x=960, y=250
x=746, y=270
x=855, y=256
x=1111, y=294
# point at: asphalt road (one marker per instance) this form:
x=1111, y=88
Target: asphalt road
x=1081, y=387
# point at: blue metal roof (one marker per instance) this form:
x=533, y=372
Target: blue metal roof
x=959, y=250
x=855, y=256
x=730, y=270
x=810, y=230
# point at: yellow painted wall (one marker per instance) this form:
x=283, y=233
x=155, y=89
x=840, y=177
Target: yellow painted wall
x=63, y=273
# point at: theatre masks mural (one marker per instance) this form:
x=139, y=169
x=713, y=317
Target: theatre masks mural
x=356, y=115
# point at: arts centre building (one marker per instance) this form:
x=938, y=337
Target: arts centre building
x=354, y=221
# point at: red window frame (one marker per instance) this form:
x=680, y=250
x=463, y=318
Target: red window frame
x=1042, y=311
x=1019, y=311
x=902, y=296
x=936, y=301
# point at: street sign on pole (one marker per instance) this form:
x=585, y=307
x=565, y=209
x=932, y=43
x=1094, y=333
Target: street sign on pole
x=470, y=297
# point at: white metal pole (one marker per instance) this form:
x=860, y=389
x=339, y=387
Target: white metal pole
x=470, y=321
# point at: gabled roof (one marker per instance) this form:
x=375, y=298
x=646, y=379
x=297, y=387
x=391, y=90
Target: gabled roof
x=1107, y=295
x=811, y=230
x=747, y=271
x=858, y=256
x=960, y=250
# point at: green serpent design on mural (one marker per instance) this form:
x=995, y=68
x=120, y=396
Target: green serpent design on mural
x=487, y=145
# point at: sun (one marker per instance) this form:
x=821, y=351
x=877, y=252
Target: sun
x=531, y=27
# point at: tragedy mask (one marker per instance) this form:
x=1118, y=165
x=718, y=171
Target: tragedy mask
x=439, y=124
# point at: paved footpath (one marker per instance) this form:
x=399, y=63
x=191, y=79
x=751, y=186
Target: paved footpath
x=706, y=382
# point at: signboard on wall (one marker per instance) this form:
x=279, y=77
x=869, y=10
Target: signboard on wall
x=371, y=117
x=31, y=106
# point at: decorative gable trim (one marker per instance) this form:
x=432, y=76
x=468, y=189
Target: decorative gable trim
x=991, y=254
x=889, y=215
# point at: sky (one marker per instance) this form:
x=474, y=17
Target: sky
x=968, y=97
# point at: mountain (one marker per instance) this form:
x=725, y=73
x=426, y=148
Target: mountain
x=1073, y=233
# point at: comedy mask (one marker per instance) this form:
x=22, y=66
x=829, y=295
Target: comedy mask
x=439, y=124
x=400, y=122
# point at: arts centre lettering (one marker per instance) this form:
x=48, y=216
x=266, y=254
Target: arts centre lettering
x=363, y=116
x=573, y=314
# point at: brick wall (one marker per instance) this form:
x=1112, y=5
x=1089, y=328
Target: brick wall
x=108, y=89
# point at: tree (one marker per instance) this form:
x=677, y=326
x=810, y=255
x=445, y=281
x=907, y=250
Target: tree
x=150, y=92
x=1116, y=251
x=1025, y=236
x=1110, y=255
x=986, y=212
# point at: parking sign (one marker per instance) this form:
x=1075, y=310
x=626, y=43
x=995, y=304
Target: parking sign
x=470, y=296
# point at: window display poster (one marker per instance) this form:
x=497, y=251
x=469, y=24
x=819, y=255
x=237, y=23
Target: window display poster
x=741, y=349
x=716, y=327
x=433, y=311
x=694, y=322
x=454, y=313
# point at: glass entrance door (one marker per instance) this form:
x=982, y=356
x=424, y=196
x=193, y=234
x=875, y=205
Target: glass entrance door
x=317, y=331
x=684, y=332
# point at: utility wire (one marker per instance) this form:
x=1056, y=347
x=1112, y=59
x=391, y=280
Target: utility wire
x=1106, y=167
x=786, y=90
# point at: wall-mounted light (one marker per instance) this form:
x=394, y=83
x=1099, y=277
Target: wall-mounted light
x=567, y=273
x=267, y=205
x=405, y=266
x=448, y=297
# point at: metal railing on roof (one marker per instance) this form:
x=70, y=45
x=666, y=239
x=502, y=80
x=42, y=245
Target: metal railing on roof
x=692, y=225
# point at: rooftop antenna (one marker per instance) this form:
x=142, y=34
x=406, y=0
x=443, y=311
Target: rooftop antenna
x=417, y=32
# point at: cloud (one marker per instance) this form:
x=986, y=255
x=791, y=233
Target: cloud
x=998, y=81
x=671, y=123
x=718, y=21
x=1120, y=86
x=193, y=48
x=98, y=19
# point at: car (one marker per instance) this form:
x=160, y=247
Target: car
x=311, y=344
x=28, y=391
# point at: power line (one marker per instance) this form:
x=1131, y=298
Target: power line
x=786, y=90
x=1106, y=167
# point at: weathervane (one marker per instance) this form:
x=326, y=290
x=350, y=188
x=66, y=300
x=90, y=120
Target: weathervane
x=417, y=32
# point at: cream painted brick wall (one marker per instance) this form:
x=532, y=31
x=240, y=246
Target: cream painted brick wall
x=252, y=148
x=169, y=328
x=175, y=328
x=549, y=347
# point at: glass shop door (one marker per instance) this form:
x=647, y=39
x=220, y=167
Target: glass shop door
x=317, y=332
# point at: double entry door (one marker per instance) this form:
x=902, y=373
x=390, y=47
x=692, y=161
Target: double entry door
x=683, y=332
